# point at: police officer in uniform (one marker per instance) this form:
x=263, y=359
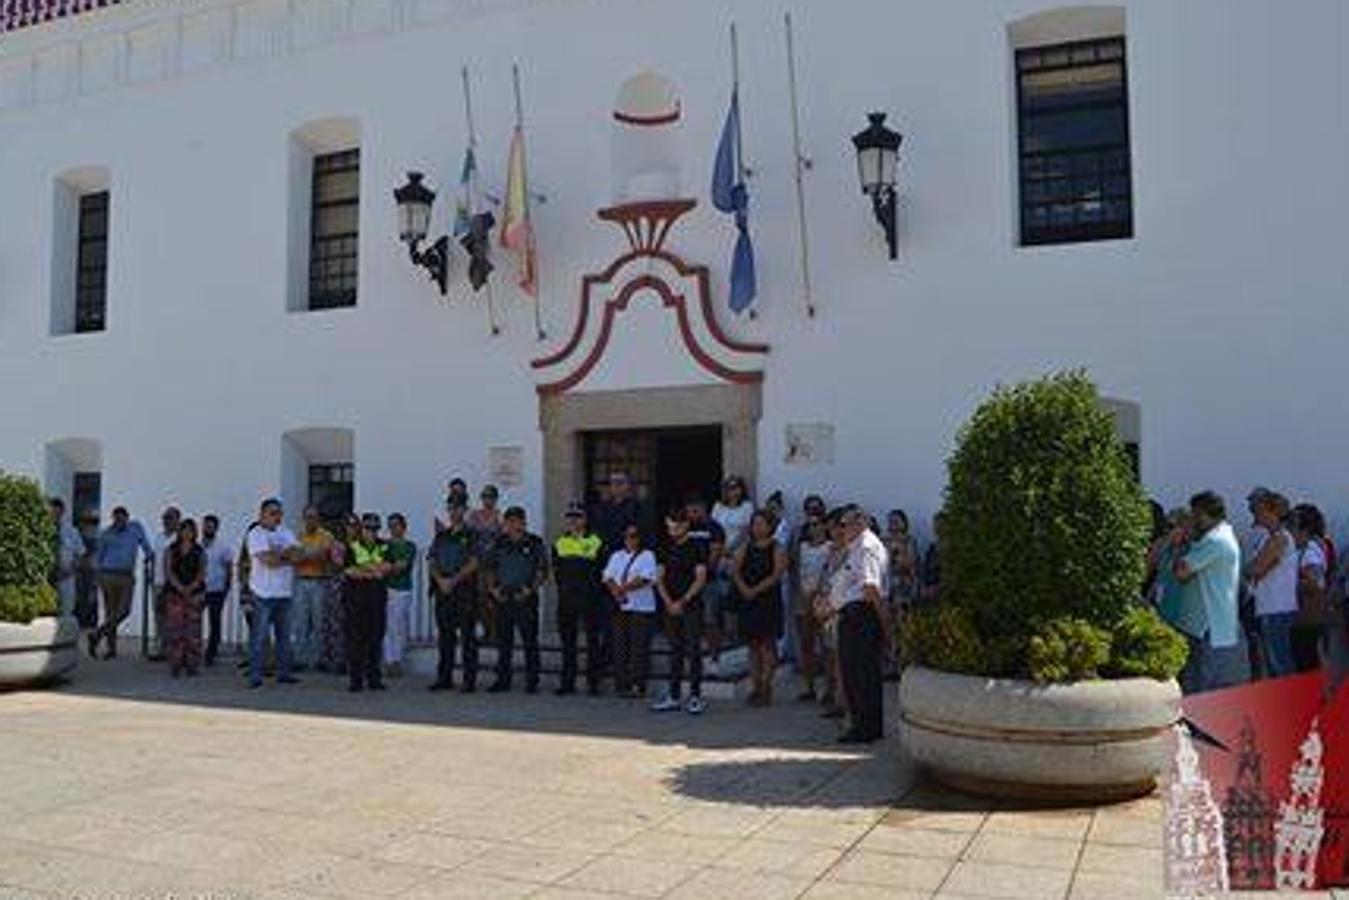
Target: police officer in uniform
x=453, y=566
x=517, y=566
x=856, y=592
x=577, y=565
x=366, y=606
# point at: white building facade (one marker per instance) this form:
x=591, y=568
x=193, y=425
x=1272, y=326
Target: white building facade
x=242, y=319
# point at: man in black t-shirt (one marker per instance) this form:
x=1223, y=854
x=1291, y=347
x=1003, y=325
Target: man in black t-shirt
x=683, y=573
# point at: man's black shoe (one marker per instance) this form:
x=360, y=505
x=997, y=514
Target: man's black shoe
x=564, y=691
x=852, y=737
x=440, y=686
x=499, y=688
x=376, y=685
x=355, y=687
x=288, y=679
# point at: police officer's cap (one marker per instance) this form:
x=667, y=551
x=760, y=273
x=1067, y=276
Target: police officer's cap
x=575, y=511
x=515, y=512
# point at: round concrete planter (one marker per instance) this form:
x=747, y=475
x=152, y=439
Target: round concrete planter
x=1094, y=741
x=41, y=651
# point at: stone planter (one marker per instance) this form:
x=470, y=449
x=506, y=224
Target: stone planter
x=41, y=651
x=1094, y=741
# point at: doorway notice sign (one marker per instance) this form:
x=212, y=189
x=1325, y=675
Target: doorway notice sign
x=506, y=466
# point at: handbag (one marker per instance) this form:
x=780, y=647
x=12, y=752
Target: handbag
x=1313, y=601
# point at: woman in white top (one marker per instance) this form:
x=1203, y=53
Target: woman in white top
x=1273, y=575
x=629, y=578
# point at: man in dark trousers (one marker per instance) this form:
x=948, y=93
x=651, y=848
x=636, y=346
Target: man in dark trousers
x=855, y=591
x=517, y=566
x=453, y=567
x=577, y=564
x=683, y=574
x=366, y=606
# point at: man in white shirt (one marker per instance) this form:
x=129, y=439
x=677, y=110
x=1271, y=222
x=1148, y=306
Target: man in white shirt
x=857, y=592
x=219, y=576
x=272, y=552
x=160, y=544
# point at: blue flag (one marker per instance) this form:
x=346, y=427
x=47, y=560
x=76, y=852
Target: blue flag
x=730, y=196
x=466, y=207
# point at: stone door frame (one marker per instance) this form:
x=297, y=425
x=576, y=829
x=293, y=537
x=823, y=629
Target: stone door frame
x=565, y=417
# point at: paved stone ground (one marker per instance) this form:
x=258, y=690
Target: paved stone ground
x=125, y=784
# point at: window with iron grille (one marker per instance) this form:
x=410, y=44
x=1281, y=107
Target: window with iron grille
x=86, y=493
x=91, y=264
x=334, y=229
x=332, y=490
x=1073, y=139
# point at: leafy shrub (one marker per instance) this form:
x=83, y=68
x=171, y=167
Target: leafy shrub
x=1044, y=523
x=1145, y=646
x=1067, y=649
x=943, y=638
x=26, y=551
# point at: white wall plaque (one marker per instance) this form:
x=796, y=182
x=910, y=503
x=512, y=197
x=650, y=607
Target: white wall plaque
x=506, y=466
x=810, y=444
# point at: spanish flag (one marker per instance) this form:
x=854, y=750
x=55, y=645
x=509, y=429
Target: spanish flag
x=517, y=232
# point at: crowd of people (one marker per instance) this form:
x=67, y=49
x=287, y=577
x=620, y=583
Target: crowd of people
x=1271, y=605
x=827, y=593
x=337, y=597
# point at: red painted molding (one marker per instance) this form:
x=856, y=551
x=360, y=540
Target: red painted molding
x=646, y=226
x=648, y=121
x=16, y=14
x=668, y=299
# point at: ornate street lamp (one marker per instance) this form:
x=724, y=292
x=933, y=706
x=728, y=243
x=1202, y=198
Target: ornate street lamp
x=414, y=201
x=877, y=162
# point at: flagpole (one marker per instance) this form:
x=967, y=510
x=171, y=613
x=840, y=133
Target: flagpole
x=529, y=224
x=742, y=170
x=802, y=164
x=473, y=188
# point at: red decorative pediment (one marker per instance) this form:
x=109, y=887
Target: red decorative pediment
x=681, y=286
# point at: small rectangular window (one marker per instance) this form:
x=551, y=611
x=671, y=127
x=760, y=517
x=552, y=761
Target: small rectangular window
x=334, y=229
x=1073, y=139
x=86, y=493
x=91, y=263
x=332, y=490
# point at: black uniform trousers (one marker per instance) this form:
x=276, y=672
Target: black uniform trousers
x=632, y=650
x=518, y=610
x=859, y=657
x=685, y=633
x=574, y=615
x=367, y=604
x=457, y=629
x=215, y=602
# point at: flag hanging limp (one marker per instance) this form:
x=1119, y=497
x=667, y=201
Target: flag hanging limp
x=473, y=224
x=517, y=231
x=731, y=196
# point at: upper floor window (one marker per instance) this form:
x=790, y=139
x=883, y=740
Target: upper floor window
x=1073, y=142
x=334, y=229
x=91, y=265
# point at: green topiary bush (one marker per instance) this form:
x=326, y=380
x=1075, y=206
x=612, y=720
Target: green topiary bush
x=1145, y=646
x=944, y=638
x=1067, y=649
x=27, y=552
x=1045, y=543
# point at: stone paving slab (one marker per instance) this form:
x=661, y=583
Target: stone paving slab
x=126, y=784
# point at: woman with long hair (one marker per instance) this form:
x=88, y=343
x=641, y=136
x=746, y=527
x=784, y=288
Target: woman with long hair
x=185, y=591
x=760, y=567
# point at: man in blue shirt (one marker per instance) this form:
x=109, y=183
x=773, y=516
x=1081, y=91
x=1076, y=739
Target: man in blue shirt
x=1212, y=568
x=116, y=563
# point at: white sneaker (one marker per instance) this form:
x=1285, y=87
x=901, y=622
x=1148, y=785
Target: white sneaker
x=668, y=704
x=695, y=706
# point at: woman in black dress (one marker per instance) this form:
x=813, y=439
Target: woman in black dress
x=760, y=566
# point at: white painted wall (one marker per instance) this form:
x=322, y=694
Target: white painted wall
x=1224, y=318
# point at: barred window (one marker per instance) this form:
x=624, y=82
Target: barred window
x=91, y=264
x=1073, y=139
x=332, y=490
x=334, y=229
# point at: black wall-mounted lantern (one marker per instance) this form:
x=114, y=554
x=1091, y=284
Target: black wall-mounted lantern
x=414, y=201
x=877, y=162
